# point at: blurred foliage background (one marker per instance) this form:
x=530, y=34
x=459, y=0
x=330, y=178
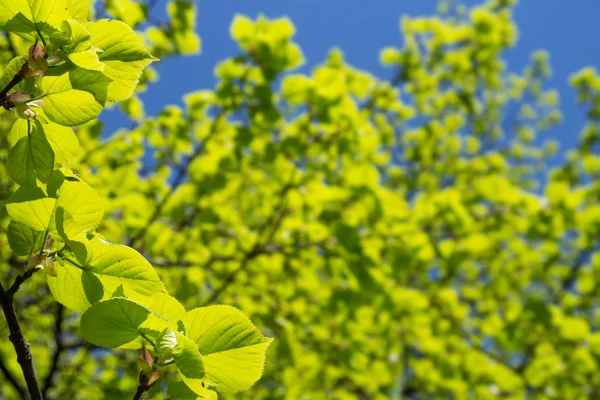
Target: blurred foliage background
x=399, y=239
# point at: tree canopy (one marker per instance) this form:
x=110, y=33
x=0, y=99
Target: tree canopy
x=402, y=239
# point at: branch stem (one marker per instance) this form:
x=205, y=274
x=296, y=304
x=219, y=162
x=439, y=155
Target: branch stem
x=16, y=337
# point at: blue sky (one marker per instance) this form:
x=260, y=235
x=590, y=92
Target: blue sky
x=569, y=30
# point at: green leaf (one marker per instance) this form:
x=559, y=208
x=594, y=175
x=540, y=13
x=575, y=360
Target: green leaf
x=62, y=140
x=80, y=51
x=35, y=209
x=180, y=391
x=74, y=235
x=81, y=201
x=123, y=54
x=79, y=10
x=11, y=69
x=25, y=17
x=22, y=239
x=119, y=322
x=166, y=342
x=189, y=363
x=167, y=306
x=30, y=206
x=87, y=59
x=183, y=17
x=73, y=96
x=78, y=286
x=30, y=160
x=232, y=348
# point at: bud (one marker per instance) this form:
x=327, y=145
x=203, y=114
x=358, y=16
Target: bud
x=14, y=99
x=49, y=267
x=35, y=262
x=147, y=380
x=53, y=60
x=36, y=62
x=23, y=111
x=49, y=241
x=145, y=361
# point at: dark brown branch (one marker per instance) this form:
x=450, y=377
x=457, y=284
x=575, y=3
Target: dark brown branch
x=16, y=337
x=12, y=380
x=19, y=281
x=58, y=340
x=14, y=82
x=139, y=392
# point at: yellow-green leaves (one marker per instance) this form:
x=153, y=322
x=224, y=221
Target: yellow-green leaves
x=79, y=49
x=30, y=206
x=232, y=348
x=62, y=140
x=27, y=17
x=33, y=207
x=190, y=363
x=31, y=159
x=73, y=96
x=269, y=42
x=74, y=68
x=119, y=322
x=123, y=55
x=183, y=23
x=220, y=347
x=111, y=267
x=22, y=239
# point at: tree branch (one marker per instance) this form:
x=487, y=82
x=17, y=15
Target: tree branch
x=19, y=281
x=139, y=392
x=16, y=336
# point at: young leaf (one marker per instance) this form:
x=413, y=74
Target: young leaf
x=167, y=306
x=189, y=363
x=73, y=96
x=13, y=67
x=62, y=140
x=123, y=54
x=30, y=160
x=22, y=239
x=82, y=202
x=119, y=322
x=232, y=348
x=74, y=235
x=30, y=206
x=26, y=17
x=180, y=391
x=80, y=50
x=79, y=10
x=79, y=286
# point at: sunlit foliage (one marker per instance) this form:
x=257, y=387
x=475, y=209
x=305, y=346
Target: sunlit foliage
x=397, y=239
